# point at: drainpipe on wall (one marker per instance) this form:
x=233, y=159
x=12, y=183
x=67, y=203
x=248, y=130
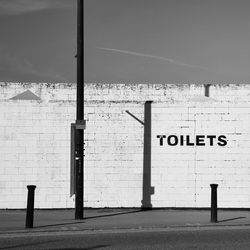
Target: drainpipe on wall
x=207, y=89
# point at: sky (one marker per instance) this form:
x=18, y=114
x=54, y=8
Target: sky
x=38, y=40
x=126, y=41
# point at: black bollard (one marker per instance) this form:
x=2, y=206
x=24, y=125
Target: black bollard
x=30, y=206
x=213, y=202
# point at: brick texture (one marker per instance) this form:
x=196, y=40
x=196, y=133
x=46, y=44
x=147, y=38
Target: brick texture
x=35, y=145
x=182, y=174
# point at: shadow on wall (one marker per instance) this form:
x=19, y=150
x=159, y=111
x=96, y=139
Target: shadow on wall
x=147, y=190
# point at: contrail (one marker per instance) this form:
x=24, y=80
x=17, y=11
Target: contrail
x=154, y=57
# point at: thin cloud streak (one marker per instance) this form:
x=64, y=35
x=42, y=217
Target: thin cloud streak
x=18, y=7
x=154, y=57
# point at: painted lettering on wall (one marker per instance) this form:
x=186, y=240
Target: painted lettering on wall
x=187, y=140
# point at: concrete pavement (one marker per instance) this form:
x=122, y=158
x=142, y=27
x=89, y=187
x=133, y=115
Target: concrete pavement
x=13, y=221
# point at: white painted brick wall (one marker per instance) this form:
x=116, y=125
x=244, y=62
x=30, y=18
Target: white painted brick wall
x=35, y=150
x=35, y=145
x=187, y=171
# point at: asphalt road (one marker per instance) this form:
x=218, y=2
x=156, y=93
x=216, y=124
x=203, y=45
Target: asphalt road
x=228, y=238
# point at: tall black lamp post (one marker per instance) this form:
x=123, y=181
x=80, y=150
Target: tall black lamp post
x=79, y=116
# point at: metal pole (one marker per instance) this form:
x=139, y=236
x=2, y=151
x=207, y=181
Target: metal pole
x=207, y=86
x=79, y=114
x=30, y=206
x=213, y=202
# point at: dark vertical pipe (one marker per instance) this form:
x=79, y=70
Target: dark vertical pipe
x=207, y=86
x=30, y=206
x=213, y=202
x=147, y=189
x=79, y=114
